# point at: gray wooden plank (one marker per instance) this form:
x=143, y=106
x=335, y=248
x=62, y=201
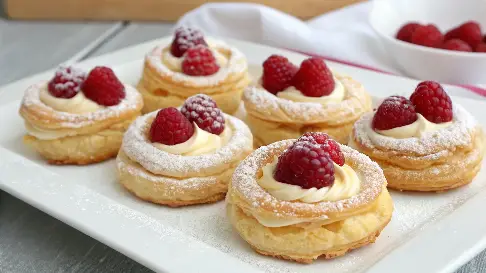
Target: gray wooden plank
x=30, y=47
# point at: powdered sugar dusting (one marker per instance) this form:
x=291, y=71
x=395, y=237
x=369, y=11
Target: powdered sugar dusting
x=73, y=77
x=245, y=184
x=139, y=149
x=264, y=104
x=432, y=144
x=132, y=101
x=236, y=64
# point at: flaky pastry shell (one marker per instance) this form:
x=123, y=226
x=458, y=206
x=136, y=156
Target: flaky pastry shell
x=326, y=229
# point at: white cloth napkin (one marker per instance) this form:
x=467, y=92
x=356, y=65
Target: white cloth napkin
x=343, y=35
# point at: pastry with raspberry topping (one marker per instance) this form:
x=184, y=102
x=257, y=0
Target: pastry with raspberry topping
x=289, y=99
x=190, y=64
x=183, y=157
x=308, y=198
x=78, y=117
x=424, y=143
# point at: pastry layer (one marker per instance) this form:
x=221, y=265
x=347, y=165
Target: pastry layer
x=162, y=87
x=272, y=119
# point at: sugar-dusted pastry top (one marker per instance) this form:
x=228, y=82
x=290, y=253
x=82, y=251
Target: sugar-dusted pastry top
x=265, y=105
x=139, y=148
x=254, y=198
x=235, y=64
x=431, y=144
x=45, y=117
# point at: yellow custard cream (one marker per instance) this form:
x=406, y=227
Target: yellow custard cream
x=175, y=63
x=76, y=105
x=416, y=129
x=337, y=95
x=200, y=143
x=346, y=184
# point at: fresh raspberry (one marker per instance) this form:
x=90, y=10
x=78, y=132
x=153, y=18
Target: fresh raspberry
x=199, y=61
x=277, y=73
x=185, y=38
x=393, y=112
x=103, y=87
x=202, y=110
x=171, y=127
x=456, y=45
x=306, y=165
x=313, y=78
x=406, y=31
x=452, y=34
x=484, y=38
x=470, y=32
x=326, y=143
x=432, y=102
x=428, y=35
x=66, y=82
x=481, y=47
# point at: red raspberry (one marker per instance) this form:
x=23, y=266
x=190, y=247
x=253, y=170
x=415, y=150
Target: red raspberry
x=428, y=35
x=456, y=45
x=452, y=34
x=432, y=102
x=203, y=110
x=393, y=112
x=306, y=165
x=199, y=61
x=185, y=38
x=481, y=47
x=470, y=32
x=313, y=78
x=277, y=73
x=406, y=31
x=66, y=82
x=326, y=143
x=170, y=127
x=484, y=38
x=103, y=87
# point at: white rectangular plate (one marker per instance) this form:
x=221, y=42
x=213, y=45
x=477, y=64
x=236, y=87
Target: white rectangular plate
x=428, y=232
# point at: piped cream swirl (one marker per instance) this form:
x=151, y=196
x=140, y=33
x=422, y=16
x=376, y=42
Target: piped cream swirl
x=416, y=129
x=175, y=63
x=76, y=105
x=293, y=94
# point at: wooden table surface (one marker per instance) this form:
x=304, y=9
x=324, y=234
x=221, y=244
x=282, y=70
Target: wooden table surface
x=30, y=240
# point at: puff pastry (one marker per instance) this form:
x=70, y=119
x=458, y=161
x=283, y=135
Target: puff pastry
x=77, y=138
x=324, y=229
x=162, y=85
x=441, y=160
x=178, y=180
x=272, y=118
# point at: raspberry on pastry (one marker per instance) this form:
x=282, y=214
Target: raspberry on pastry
x=170, y=127
x=394, y=111
x=430, y=100
x=406, y=31
x=66, y=82
x=314, y=79
x=103, y=87
x=199, y=61
x=185, y=38
x=202, y=110
x=428, y=35
x=457, y=45
x=326, y=143
x=278, y=72
x=306, y=165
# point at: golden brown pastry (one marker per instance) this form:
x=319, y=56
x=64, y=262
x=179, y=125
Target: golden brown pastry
x=178, y=158
x=300, y=221
x=286, y=111
x=190, y=66
x=425, y=148
x=74, y=119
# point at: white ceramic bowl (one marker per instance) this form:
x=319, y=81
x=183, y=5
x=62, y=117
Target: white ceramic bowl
x=424, y=63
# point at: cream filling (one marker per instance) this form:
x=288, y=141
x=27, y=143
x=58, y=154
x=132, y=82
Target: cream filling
x=175, y=63
x=76, y=105
x=201, y=142
x=336, y=96
x=346, y=184
x=416, y=129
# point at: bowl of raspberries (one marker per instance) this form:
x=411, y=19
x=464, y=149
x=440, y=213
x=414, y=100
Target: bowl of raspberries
x=442, y=40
